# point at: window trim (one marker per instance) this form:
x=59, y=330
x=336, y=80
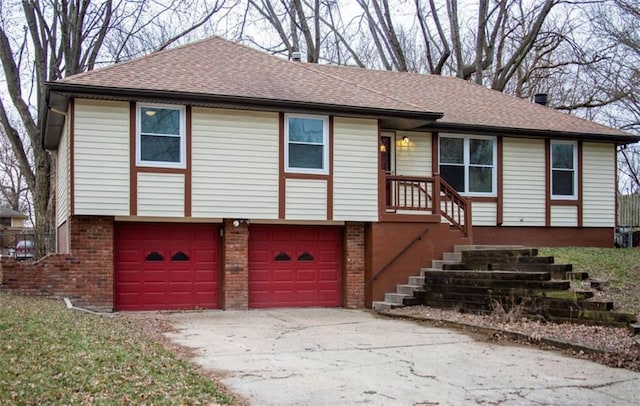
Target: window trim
x=574, y=196
x=325, y=145
x=467, y=164
x=182, y=164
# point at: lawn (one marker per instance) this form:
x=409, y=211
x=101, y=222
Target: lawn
x=52, y=355
x=620, y=266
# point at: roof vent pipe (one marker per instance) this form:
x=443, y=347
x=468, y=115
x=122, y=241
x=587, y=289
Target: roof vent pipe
x=540, y=98
x=296, y=56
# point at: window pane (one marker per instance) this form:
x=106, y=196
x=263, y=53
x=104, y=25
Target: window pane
x=160, y=148
x=305, y=156
x=159, y=121
x=562, y=156
x=480, y=179
x=562, y=183
x=453, y=175
x=306, y=130
x=451, y=150
x=481, y=152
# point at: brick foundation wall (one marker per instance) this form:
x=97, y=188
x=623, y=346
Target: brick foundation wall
x=354, y=273
x=235, y=294
x=85, y=275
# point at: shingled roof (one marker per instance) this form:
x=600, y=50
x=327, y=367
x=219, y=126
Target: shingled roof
x=218, y=72
x=7, y=212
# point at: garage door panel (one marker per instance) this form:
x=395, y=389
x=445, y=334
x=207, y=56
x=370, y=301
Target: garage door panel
x=185, y=277
x=289, y=266
x=306, y=275
x=282, y=276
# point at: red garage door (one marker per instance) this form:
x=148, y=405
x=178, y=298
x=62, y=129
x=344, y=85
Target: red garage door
x=166, y=266
x=294, y=266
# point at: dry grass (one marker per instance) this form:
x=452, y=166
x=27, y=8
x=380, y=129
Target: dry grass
x=619, y=266
x=52, y=355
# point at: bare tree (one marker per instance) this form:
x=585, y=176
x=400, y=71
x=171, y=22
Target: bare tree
x=62, y=38
x=14, y=192
x=616, y=24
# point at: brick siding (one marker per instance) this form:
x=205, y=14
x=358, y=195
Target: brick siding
x=354, y=272
x=85, y=275
x=236, y=266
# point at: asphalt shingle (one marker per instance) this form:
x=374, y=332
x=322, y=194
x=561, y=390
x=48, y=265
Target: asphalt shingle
x=215, y=66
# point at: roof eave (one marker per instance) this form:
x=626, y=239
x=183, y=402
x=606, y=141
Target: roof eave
x=526, y=132
x=58, y=95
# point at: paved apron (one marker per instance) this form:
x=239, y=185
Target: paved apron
x=346, y=357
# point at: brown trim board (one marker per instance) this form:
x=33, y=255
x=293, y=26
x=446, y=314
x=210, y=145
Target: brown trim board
x=615, y=190
x=72, y=177
x=330, y=178
x=499, y=192
x=133, y=172
x=434, y=153
x=188, y=172
x=580, y=183
x=283, y=176
x=547, y=182
x=281, y=184
x=578, y=202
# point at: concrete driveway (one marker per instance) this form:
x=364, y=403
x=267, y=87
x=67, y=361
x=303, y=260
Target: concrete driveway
x=349, y=357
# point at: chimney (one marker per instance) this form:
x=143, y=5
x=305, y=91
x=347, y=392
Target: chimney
x=296, y=56
x=540, y=98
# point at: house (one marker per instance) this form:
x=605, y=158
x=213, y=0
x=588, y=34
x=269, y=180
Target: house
x=12, y=225
x=213, y=175
x=11, y=219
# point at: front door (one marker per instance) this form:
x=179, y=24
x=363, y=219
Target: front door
x=387, y=161
x=387, y=153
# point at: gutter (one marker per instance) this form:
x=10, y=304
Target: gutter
x=69, y=90
x=58, y=94
x=528, y=133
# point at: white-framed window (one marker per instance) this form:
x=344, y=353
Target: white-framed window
x=161, y=136
x=564, y=174
x=306, y=144
x=468, y=163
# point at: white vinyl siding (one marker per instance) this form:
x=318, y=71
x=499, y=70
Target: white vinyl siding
x=306, y=199
x=483, y=213
x=564, y=216
x=523, y=182
x=234, y=164
x=599, y=185
x=63, y=176
x=17, y=222
x=355, y=170
x=101, y=158
x=161, y=194
x=413, y=159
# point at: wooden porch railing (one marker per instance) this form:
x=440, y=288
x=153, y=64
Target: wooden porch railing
x=430, y=195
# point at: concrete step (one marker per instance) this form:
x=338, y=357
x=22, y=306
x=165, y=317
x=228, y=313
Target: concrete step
x=408, y=289
x=381, y=306
x=437, y=263
x=416, y=280
x=452, y=256
x=397, y=298
x=458, y=266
